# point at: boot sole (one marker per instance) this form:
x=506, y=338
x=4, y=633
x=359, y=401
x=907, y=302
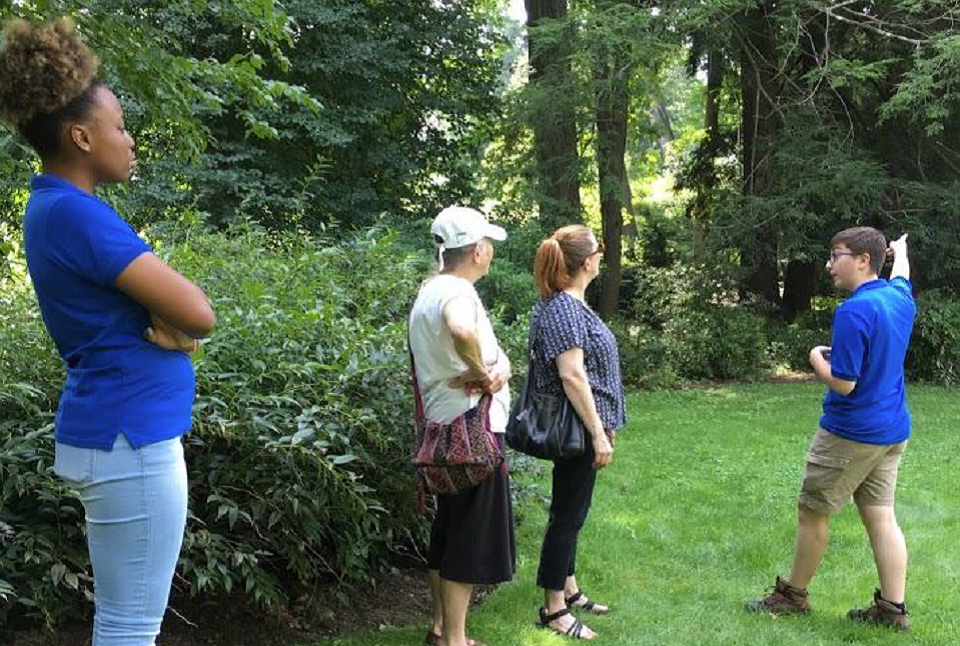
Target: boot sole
x=880, y=624
x=760, y=609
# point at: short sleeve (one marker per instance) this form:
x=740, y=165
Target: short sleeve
x=458, y=289
x=561, y=327
x=88, y=237
x=902, y=285
x=851, y=332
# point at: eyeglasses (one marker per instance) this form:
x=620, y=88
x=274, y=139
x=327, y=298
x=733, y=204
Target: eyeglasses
x=836, y=254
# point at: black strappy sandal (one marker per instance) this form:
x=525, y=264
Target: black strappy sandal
x=589, y=606
x=575, y=630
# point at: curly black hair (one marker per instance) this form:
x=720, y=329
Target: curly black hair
x=47, y=76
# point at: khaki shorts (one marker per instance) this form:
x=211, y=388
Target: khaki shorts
x=838, y=468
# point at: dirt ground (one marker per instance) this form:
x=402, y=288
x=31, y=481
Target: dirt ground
x=398, y=599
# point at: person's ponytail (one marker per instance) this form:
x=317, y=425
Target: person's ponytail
x=550, y=268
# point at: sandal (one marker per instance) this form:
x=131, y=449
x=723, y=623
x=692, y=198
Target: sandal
x=589, y=606
x=433, y=639
x=575, y=630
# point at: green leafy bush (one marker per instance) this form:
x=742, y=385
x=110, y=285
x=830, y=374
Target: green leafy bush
x=692, y=325
x=643, y=356
x=43, y=557
x=716, y=342
x=933, y=355
x=302, y=440
x=299, y=454
x=509, y=289
x=935, y=347
x=790, y=344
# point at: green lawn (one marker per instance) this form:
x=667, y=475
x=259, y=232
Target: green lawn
x=696, y=515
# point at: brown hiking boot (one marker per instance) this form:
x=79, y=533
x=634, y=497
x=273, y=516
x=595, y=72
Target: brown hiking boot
x=784, y=600
x=882, y=612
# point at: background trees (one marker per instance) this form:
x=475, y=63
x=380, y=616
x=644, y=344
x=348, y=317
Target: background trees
x=291, y=151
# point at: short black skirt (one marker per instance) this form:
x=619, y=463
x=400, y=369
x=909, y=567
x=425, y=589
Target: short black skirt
x=472, y=540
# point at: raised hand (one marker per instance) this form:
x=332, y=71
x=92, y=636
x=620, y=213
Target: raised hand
x=898, y=247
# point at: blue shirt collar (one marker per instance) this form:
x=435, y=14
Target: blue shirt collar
x=870, y=284
x=43, y=181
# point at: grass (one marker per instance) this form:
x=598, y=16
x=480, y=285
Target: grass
x=697, y=514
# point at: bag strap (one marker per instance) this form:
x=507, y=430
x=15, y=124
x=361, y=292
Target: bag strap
x=418, y=400
x=534, y=328
x=532, y=341
x=419, y=420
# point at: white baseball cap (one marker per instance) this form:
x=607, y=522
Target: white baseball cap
x=459, y=226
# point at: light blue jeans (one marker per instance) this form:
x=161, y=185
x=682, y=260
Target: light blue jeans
x=136, y=508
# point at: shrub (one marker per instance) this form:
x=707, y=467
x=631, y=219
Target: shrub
x=43, y=557
x=509, y=289
x=791, y=344
x=299, y=454
x=302, y=440
x=705, y=332
x=717, y=342
x=643, y=356
x=935, y=348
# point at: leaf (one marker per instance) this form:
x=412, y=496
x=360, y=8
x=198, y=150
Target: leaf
x=56, y=573
x=303, y=434
x=7, y=590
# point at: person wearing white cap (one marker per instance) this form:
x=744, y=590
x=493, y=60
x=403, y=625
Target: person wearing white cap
x=456, y=360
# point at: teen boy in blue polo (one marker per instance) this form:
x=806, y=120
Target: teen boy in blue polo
x=864, y=428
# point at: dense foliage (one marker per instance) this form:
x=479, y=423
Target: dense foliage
x=298, y=114
x=299, y=456
x=714, y=146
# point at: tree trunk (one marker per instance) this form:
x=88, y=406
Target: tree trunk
x=758, y=71
x=662, y=117
x=799, y=284
x=612, y=104
x=714, y=86
x=699, y=209
x=552, y=117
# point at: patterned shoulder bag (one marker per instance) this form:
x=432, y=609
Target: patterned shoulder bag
x=457, y=456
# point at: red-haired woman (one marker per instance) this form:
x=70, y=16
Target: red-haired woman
x=574, y=354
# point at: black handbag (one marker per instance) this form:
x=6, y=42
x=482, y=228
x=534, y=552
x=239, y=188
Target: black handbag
x=543, y=425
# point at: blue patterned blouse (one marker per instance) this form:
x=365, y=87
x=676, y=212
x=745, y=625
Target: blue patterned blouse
x=562, y=322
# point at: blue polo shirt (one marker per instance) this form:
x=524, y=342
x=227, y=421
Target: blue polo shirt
x=871, y=332
x=76, y=246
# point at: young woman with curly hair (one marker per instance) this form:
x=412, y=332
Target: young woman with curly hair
x=121, y=319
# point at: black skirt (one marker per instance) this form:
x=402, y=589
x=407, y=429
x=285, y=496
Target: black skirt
x=472, y=540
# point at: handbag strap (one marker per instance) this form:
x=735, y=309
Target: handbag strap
x=532, y=341
x=418, y=400
x=534, y=328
